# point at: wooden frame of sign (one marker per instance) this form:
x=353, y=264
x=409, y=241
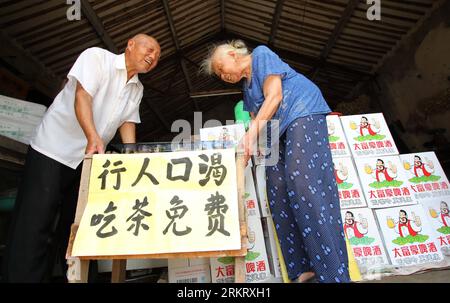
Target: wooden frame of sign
x=80, y=265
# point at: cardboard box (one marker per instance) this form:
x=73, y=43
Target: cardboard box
x=408, y=236
x=193, y=270
x=251, y=200
x=336, y=137
x=384, y=182
x=424, y=173
x=274, y=258
x=19, y=119
x=256, y=262
x=20, y=109
x=351, y=194
x=437, y=212
x=133, y=264
x=362, y=232
x=260, y=172
x=368, y=135
x=19, y=131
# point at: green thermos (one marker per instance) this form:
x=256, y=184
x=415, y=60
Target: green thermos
x=240, y=115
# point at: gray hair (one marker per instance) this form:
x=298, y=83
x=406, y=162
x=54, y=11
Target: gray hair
x=237, y=46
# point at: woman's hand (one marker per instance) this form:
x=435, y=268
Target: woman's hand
x=272, y=98
x=248, y=144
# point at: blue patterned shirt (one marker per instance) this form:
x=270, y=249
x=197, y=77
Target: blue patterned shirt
x=301, y=97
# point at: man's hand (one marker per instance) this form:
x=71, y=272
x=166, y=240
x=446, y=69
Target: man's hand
x=95, y=145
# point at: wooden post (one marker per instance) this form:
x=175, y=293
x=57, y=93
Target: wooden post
x=78, y=269
x=119, y=270
x=239, y=270
x=239, y=265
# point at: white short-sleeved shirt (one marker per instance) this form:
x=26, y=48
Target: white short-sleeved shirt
x=114, y=101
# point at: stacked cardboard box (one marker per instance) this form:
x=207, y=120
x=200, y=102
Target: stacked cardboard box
x=193, y=270
x=256, y=261
x=378, y=189
x=360, y=227
x=262, y=261
x=19, y=119
x=396, y=229
x=267, y=223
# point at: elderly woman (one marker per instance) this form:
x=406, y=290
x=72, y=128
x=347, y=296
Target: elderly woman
x=301, y=187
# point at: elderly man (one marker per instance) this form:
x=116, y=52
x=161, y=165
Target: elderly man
x=102, y=95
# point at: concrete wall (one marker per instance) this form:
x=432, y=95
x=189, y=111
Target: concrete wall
x=413, y=85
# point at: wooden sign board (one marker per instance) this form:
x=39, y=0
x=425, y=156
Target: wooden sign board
x=161, y=182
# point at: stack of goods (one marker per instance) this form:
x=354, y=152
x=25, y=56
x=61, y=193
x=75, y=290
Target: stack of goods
x=394, y=207
x=19, y=119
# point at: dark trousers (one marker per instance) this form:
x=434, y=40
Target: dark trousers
x=303, y=198
x=40, y=226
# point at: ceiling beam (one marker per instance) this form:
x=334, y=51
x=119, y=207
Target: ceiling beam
x=222, y=15
x=186, y=77
x=29, y=67
x=154, y=89
x=146, y=134
x=186, y=49
x=302, y=58
x=97, y=24
x=158, y=113
x=276, y=21
x=345, y=18
x=178, y=49
x=172, y=80
x=171, y=25
x=211, y=93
